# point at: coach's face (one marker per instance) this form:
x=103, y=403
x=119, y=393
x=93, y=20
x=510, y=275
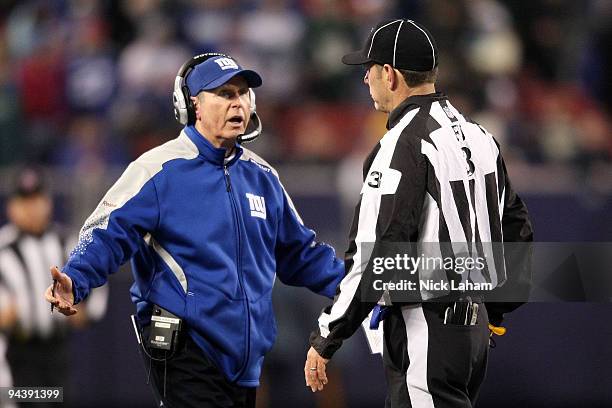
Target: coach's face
x=378, y=91
x=223, y=113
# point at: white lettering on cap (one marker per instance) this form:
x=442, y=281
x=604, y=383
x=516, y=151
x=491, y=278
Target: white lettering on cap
x=226, y=63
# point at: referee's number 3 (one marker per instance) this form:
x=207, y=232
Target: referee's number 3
x=374, y=179
x=467, y=154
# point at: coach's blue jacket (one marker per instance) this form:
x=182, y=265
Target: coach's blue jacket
x=206, y=237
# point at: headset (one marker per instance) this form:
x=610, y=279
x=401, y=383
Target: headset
x=184, y=111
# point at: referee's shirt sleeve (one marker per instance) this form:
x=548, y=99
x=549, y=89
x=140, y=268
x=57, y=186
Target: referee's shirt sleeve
x=397, y=220
x=517, y=228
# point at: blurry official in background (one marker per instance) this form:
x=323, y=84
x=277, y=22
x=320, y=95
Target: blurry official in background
x=435, y=177
x=28, y=244
x=7, y=319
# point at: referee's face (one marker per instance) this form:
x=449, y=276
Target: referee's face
x=373, y=78
x=31, y=214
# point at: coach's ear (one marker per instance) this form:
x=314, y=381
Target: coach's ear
x=196, y=106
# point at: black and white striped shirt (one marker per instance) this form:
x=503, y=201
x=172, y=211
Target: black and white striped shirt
x=24, y=272
x=435, y=176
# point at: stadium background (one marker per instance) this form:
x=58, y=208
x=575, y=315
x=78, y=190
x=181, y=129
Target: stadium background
x=85, y=87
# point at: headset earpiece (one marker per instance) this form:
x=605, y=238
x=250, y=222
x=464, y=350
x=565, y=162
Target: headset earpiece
x=191, y=113
x=253, y=105
x=180, y=106
x=184, y=110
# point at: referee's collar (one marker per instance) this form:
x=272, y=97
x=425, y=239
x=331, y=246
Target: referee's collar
x=410, y=103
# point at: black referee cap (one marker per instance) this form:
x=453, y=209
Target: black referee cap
x=28, y=182
x=403, y=44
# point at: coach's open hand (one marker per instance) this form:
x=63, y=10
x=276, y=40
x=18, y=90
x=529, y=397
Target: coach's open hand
x=63, y=299
x=315, y=379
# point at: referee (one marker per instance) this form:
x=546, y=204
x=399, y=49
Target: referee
x=28, y=244
x=7, y=319
x=434, y=177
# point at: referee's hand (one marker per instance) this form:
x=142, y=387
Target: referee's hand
x=314, y=371
x=61, y=296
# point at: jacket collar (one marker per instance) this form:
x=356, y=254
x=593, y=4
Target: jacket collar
x=207, y=151
x=412, y=102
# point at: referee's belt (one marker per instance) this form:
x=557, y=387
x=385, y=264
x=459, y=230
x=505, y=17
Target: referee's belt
x=439, y=305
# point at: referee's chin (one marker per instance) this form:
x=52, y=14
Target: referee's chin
x=380, y=108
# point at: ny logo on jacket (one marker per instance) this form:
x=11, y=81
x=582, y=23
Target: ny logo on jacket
x=257, y=205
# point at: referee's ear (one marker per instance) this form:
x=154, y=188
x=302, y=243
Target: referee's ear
x=391, y=77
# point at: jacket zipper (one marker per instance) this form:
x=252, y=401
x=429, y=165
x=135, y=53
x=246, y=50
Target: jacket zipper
x=228, y=185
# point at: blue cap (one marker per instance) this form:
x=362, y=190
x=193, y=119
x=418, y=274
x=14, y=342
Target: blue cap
x=216, y=71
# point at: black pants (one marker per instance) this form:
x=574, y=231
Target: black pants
x=39, y=363
x=429, y=364
x=189, y=379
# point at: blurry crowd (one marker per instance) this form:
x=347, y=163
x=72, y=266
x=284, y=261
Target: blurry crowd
x=87, y=84
x=86, y=87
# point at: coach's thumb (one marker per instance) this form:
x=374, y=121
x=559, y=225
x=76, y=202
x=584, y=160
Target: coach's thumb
x=62, y=278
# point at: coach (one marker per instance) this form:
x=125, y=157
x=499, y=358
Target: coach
x=207, y=225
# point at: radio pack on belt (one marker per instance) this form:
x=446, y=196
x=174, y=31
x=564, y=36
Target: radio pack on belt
x=463, y=312
x=164, y=329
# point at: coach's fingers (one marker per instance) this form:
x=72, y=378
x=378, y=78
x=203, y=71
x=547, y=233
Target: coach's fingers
x=66, y=309
x=49, y=296
x=64, y=283
x=61, y=296
x=60, y=304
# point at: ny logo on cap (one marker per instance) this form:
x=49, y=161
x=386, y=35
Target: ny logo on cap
x=226, y=63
